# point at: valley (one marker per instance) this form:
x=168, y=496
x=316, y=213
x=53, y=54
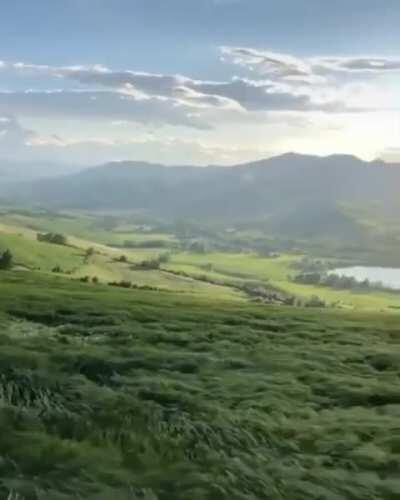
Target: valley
x=194, y=261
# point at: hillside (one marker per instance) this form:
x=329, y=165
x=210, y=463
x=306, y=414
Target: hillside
x=71, y=261
x=227, y=266
x=134, y=395
x=296, y=194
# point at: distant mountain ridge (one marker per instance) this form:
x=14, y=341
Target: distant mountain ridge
x=19, y=171
x=288, y=191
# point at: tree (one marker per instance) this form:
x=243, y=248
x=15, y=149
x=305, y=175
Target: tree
x=90, y=252
x=6, y=260
x=164, y=258
x=197, y=247
x=55, y=238
x=149, y=265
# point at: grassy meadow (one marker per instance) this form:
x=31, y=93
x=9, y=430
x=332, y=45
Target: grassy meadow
x=131, y=394
x=277, y=272
x=182, y=387
x=219, y=274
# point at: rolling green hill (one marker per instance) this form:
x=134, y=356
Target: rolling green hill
x=220, y=274
x=71, y=260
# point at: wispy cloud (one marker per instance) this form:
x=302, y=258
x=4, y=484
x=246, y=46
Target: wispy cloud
x=20, y=143
x=12, y=134
x=173, y=99
x=287, y=67
x=277, y=92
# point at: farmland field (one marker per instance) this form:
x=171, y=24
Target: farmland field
x=214, y=273
x=277, y=272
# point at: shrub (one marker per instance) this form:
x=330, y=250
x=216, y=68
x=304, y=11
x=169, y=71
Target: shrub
x=197, y=247
x=90, y=252
x=6, y=260
x=54, y=238
x=121, y=284
x=150, y=264
x=315, y=301
x=164, y=258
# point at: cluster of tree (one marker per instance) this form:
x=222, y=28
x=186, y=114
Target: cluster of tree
x=122, y=258
x=313, y=301
x=155, y=263
x=146, y=244
x=89, y=252
x=54, y=238
x=309, y=265
x=197, y=247
x=6, y=260
x=262, y=294
x=337, y=281
x=59, y=270
x=88, y=279
x=130, y=285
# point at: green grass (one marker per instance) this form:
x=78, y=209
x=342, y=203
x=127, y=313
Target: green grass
x=83, y=226
x=277, y=272
x=18, y=232
x=109, y=393
x=30, y=254
x=107, y=270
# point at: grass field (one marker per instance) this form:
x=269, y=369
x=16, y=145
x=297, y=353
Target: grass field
x=226, y=271
x=84, y=226
x=44, y=257
x=126, y=394
x=277, y=272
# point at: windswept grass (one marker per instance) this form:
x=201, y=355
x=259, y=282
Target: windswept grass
x=108, y=393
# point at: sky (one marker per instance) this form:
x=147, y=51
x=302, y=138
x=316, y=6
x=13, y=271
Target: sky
x=198, y=81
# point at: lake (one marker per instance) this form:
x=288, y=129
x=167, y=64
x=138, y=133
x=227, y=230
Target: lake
x=387, y=276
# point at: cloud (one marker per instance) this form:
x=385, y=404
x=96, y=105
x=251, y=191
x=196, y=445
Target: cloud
x=236, y=94
x=97, y=105
x=255, y=95
x=27, y=145
x=13, y=135
x=314, y=70
x=193, y=99
x=275, y=65
x=287, y=98
x=377, y=65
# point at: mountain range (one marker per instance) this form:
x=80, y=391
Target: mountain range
x=294, y=193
